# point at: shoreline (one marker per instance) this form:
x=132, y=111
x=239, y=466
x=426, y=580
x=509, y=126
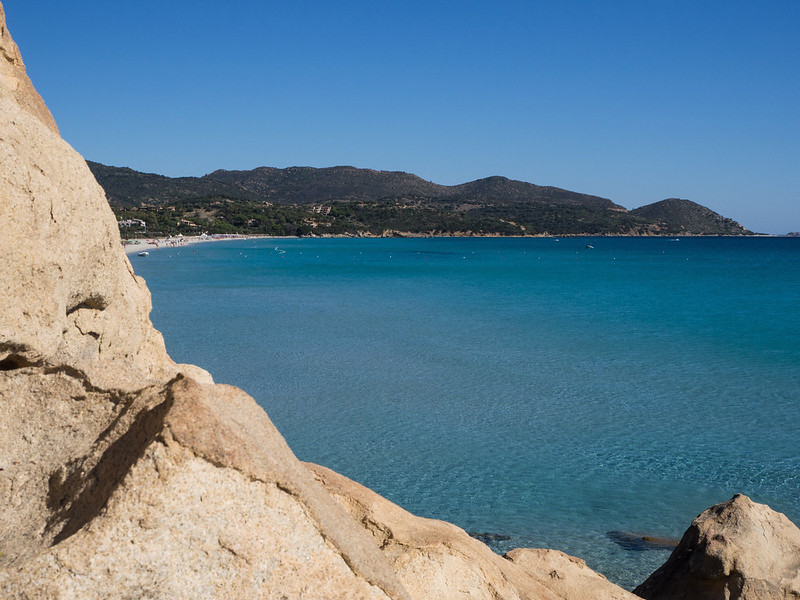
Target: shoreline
x=137, y=245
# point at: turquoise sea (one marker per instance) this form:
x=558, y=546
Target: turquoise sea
x=533, y=388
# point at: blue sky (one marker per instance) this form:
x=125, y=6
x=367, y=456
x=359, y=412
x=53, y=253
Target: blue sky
x=635, y=101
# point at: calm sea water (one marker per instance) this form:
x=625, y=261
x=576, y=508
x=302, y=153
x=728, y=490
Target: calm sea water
x=533, y=388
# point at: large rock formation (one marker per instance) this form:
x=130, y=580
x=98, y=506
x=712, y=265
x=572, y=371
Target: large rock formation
x=187, y=492
x=737, y=550
x=123, y=474
x=69, y=298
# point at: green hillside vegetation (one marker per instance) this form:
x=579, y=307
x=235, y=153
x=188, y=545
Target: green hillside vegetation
x=363, y=202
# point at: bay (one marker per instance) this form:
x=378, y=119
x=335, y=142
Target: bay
x=536, y=388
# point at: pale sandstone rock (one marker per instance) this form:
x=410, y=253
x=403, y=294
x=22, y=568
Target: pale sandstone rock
x=190, y=492
x=119, y=478
x=199, y=374
x=75, y=301
x=435, y=559
x=47, y=419
x=567, y=576
x=737, y=550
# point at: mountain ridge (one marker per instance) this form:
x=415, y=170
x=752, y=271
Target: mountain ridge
x=372, y=202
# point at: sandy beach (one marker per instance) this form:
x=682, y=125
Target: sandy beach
x=134, y=246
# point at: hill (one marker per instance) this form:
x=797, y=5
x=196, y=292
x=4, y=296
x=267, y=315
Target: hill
x=308, y=185
x=349, y=201
x=687, y=217
x=125, y=187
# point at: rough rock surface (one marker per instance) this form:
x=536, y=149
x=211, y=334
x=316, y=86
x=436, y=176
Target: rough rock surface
x=737, y=550
x=567, y=576
x=75, y=301
x=435, y=559
x=188, y=492
x=120, y=477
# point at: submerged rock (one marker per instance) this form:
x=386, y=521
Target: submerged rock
x=638, y=542
x=488, y=538
x=736, y=550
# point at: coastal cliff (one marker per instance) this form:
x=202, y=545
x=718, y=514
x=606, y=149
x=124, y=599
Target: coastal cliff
x=126, y=475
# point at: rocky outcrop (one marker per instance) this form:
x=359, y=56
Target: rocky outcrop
x=187, y=492
x=434, y=559
x=69, y=296
x=123, y=474
x=737, y=550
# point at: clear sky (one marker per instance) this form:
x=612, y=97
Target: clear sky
x=633, y=100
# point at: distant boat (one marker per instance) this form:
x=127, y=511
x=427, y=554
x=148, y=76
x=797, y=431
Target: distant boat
x=143, y=253
x=589, y=247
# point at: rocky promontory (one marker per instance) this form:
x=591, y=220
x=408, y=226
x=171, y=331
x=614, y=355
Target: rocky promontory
x=126, y=475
